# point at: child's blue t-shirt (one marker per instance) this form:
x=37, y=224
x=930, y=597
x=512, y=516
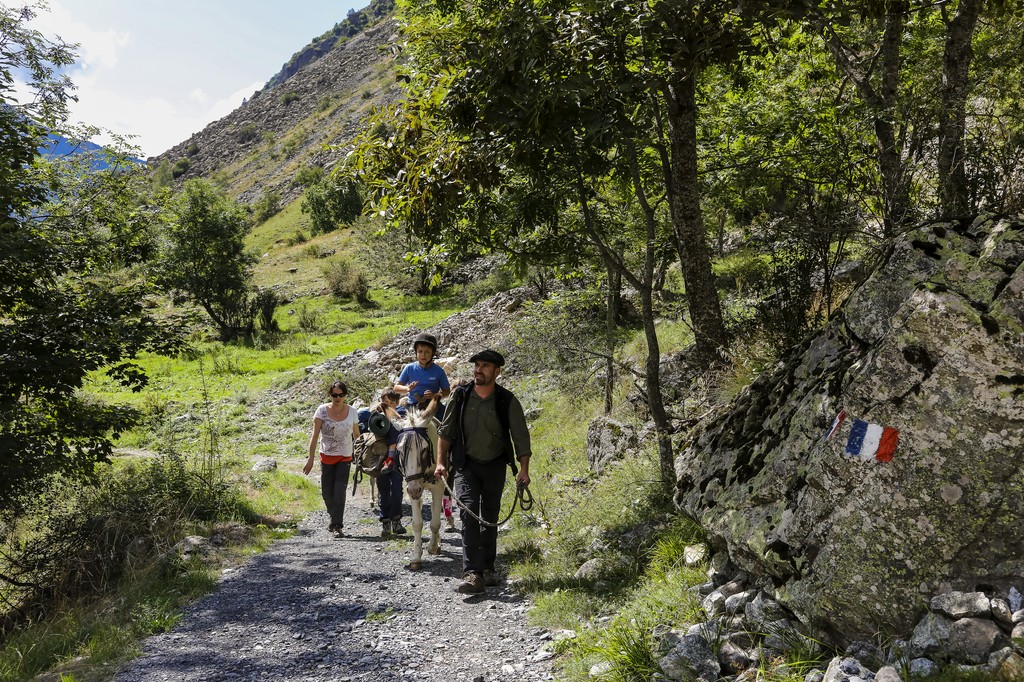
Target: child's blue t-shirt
x=430, y=378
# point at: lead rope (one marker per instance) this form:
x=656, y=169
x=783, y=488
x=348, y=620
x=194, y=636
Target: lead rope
x=523, y=496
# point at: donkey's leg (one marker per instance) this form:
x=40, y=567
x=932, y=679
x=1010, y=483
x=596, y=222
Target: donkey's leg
x=436, y=493
x=417, y=534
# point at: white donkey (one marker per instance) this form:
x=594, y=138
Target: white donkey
x=416, y=460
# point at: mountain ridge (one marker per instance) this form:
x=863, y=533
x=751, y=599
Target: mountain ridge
x=299, y=122
x=352, y=25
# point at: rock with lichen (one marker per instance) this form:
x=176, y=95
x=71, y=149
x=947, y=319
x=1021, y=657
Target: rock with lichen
x=931, y=345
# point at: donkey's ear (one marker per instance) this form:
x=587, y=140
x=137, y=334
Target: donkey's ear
x=431, y=409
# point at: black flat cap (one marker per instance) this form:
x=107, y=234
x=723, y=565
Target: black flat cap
x=491, y=356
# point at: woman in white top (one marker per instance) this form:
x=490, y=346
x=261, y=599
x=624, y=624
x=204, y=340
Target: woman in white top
x=335, y=428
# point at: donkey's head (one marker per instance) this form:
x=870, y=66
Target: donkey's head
x=415, y=451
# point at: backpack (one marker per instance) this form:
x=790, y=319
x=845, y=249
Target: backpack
x=370, y=453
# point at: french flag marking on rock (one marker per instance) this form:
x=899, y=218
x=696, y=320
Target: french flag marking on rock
x=868, y=441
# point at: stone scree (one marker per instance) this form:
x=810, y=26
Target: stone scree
x=746, y=628
x=487, y=324
x=930, y=345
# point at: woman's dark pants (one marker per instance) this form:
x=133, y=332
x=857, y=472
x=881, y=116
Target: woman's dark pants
x=333, y=481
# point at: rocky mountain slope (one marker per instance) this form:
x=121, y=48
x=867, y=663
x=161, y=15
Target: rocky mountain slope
x=327, y=41
x=283, y=128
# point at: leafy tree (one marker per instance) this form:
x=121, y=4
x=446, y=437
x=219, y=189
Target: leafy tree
x=71, y=298
x=204, y=257
x=782, y=161
x=557, y=130
x=267, y=206
x=330, y=205
x=994, y=141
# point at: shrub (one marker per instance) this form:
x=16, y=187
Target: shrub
x=180, y=167
x=330, y=205
x=297, y=237
x=75, y=543
x=308, y=175
x=314, y=251
x=563, y=333
x=289, y=97
x=325, y=103
x=247, y=133
x=267, y=206
x=346, y=279
x=292, y=142
x=500, y=279
x=784, y=312
x=309, y=319
x=266, y=302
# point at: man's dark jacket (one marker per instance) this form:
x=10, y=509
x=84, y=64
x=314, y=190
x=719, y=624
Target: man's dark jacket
x=502, y=402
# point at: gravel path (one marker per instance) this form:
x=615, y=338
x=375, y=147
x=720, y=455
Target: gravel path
x=316, y=608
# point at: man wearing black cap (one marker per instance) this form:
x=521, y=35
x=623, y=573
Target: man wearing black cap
x=484, y=431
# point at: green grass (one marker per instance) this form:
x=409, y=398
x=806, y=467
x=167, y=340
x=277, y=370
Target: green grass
x=380, y=616
x=576, y=514
x=87, y=631
x=239, y=372
x=278, y=493
x=89, y=636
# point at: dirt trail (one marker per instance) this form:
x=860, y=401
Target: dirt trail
x=316, y=608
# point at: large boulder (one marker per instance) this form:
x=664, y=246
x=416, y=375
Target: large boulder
x=931, y=345
x=609, y=440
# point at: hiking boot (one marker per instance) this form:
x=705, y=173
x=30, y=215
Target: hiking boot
x=385, y=531
x=396, y=527
x=472, y=583
x=332, y=528
x=491, y=579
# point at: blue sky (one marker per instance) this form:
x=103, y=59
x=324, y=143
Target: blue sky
x=162, y=69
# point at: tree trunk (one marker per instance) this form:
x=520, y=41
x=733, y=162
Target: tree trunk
x=642, y=283
x=956, y=64
x=895, y=187
x=611, y=317
x=895, y=193
x=688, y=224
x=655, y=401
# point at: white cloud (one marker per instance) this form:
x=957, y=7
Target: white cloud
x=198, y=96
x=226, y=105
x=158, y=123
x=97, y=48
